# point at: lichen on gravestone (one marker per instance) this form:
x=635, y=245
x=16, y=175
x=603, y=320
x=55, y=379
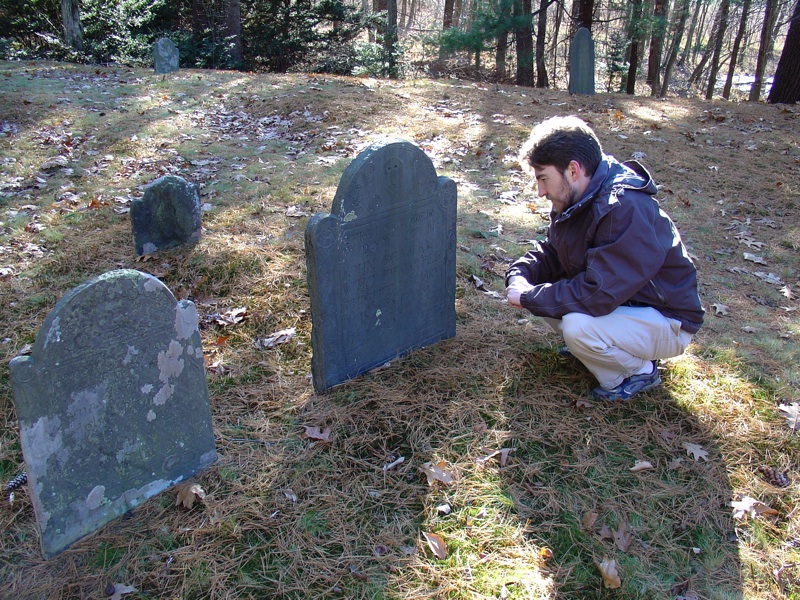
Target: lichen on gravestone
x=168, y=215
x=112, y=404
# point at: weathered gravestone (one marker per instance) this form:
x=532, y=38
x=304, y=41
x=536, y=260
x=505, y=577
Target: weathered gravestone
x=112, y=404
x=168, y=215
x=581, y=63
x=381, y=266
x=165, y=56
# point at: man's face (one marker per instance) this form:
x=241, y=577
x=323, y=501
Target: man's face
x=560, y=191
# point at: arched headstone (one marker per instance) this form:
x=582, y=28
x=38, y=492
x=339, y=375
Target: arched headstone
x=112, y=404
x=381, y=266
x=581, y=63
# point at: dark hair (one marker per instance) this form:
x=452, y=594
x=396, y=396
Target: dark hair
x=560, y=140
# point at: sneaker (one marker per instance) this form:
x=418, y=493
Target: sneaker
x=630, y=386
x=564, y=352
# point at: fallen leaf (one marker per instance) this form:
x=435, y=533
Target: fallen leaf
x=355, y=572
x=582, y=403
x=753, y=258
x=749, y=329
x=623, y=537
x=641, y=465
x=751, y=506
x=695, y=451
x=437, y=472
x=393, y=464
x=118, y=590
x=279, y=337
x=188, y=493
x=589, y=519
x=502, y=453
x=720, y=309
x=667, y=435
x=791, y=412
x=290, y=495
x=436, y=544
x=674, y=463
x=769, y=278
x=315, y=433
x=545, y=553
x=605, y=533
x=787, y=292
x=608, y=569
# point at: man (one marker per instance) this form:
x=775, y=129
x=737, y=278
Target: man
x=612, y=277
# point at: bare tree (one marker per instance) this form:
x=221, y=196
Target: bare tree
x=233, y=29
x=523, y=36
x=683, y=11
x=786, y=87
x=719, y=39
x=635, y=36
x=737, y=43
x=541, y=29
x=770, y=14
x=656, y=46
x=71, y=21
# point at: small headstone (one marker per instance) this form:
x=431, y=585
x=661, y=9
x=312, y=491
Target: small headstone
x=168, y=215
x=165, y=56
x=381, y=266
x=112, y=404
x=581, y=63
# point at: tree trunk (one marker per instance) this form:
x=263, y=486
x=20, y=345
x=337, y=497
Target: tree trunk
x=233, y=29
x=71, y=20
x=390, y=39
x=412, y=15
x=737, y=44
x=502, y=38
x=675, y=46
x=635, y=35
x=557, y=29
x=200, y=22
x=786, y=87
x=541, y=29
x=770, y=14
x=700, y=31
x=447, y=19
x=719, y=39
x=656, y=47
x=523, y=35
x=585, y=14
x=690, y=35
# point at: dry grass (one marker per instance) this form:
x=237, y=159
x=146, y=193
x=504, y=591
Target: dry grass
x=285, y=516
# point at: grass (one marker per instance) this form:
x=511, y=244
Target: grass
x=287, y=517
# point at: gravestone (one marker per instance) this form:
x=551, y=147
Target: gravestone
x=168, y=215
x=381, y=266
x=112, y=404
x=581, y=63
x=165, y=56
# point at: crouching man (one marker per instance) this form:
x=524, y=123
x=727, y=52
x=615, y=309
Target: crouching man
x=612, y=277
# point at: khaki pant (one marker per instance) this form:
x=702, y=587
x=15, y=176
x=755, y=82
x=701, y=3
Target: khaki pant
x=623, y=343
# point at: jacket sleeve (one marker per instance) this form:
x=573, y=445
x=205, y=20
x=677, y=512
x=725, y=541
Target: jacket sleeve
x=624, y=255
x=538, y=265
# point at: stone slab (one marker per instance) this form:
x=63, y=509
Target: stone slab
x=112, y=404
x=581, y=63
x=165, y=56
x=168, y=215
x=381, y=265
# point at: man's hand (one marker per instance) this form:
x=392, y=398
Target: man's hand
x=516, y=287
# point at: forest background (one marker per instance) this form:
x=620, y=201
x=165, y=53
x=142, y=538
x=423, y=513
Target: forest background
x=666, y=46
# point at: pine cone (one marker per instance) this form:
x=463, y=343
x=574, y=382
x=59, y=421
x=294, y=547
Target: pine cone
x=773, y=476
x=17, y=482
